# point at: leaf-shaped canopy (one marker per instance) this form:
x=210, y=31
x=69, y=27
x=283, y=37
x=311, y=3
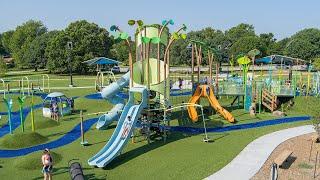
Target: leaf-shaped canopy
x=116, y=35
x=140, y=22
x=22, y=99
x=124, y=35
x=183, y=36
x=145, y=40
x=184, y=27
x=113, y=28
x=155, y=40
x=171, y=22
x=243, y=60
x=175, y=36
x=164, y=22
x=253, y=53
x=131, y=22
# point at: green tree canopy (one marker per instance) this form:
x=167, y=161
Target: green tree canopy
x=316, y=63
x=3, y=67
x=304, y=44
x=240, y=31
x=120, y=51
x=6, y=41
x=245, y=44
x=89, y=41
x=35, y=55
x=22, y=39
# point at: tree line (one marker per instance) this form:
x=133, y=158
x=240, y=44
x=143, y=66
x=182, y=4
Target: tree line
x=33, y=46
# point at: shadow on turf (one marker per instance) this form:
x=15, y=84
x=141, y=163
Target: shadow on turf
x=127, y=156
x=62, y=170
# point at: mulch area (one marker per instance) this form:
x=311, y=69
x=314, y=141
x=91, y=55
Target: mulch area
x=298, y=165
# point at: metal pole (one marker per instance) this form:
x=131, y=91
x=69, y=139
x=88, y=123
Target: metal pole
x=81, y=126
x=32, y=114
x=315, y=166
x=69, y=44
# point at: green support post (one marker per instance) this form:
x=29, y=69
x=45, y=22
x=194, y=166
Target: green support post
x=21, y=101
x=32, y=114
x=9, y=103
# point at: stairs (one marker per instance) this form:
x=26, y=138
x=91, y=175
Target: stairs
x=269, y=100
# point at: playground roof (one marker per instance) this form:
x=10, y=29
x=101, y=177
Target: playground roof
x=279, y=59
x=101, y=61
x=55, y=94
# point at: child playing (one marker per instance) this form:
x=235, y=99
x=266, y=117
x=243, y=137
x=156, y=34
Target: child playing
x=47, y=163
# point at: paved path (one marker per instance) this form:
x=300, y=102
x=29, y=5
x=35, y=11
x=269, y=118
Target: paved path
x=253, y=156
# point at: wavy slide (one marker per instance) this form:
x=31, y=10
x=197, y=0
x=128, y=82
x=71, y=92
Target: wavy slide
x=110, y=93
x=123, y=131
x=206, y=91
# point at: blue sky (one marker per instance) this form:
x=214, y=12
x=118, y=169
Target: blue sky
x=282, y=17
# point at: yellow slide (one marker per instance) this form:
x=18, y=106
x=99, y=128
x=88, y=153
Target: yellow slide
x=201, y=91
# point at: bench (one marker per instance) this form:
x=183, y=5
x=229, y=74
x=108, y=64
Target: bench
x=282, y=157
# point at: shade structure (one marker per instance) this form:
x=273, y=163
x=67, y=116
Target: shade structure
x=279, y=59
x=101, y=61
x=55, y=94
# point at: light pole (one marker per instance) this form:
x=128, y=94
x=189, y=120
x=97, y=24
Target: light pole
x=69, y=47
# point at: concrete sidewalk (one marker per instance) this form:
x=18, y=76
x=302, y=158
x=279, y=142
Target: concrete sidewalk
x=253, y=156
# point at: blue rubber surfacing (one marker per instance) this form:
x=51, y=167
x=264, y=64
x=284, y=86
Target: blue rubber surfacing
x=239, y=126
x=68, y=138
x=75, y=133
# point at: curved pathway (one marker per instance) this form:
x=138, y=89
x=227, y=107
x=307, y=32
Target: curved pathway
x=196, y=130
x=15, y=116
x=253, y=156
x=69, y=137
x=15, y=119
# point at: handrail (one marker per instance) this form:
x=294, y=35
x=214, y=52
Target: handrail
x=4, y=88
x=22, y=88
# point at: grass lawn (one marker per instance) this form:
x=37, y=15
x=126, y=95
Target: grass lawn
x=183, y=156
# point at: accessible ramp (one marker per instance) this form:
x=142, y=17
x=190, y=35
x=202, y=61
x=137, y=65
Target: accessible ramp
x=110, y=93
x=124, y=129
x=206, y=91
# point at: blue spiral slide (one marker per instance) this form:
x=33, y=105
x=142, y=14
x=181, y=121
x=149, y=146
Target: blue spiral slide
x=111, y=94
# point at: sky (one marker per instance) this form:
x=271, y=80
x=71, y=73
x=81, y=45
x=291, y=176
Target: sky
x=281, y=17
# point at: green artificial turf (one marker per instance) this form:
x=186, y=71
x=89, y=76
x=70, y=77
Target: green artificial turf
x=183, y=156
x=20, y=140
x=33, y=162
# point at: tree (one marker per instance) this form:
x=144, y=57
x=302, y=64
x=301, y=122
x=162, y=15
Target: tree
x=6, y=41
x=279, y=46
x=267, y=40
x=245, y=44
x=22, y=39
x=120, y=51
x=2, y=50
x=89, y=41
x=304, y=44
x=3, y=67
x=240, y=31
x=35, y=55
x=316, y=63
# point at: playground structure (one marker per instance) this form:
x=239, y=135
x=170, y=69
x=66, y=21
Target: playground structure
x=26, y=84
x=64, y=104
x=149, y=105
x=103, y=71
x=206, y=91
x=24, y=87
x=149, y=90
x=151, y=102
